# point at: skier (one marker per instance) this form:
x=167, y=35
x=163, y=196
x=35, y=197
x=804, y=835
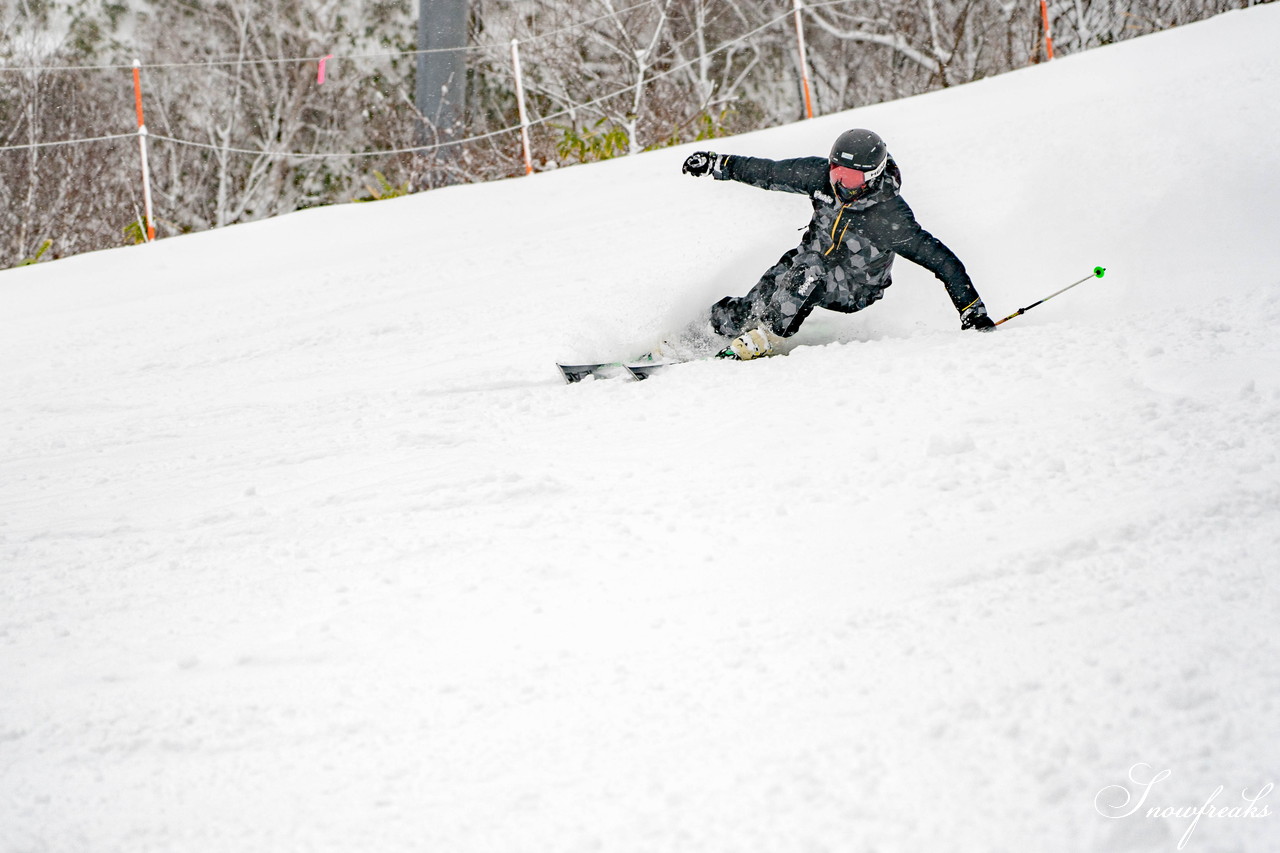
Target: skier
x=844, y=260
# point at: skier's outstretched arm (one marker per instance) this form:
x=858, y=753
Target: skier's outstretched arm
x=917, y=245
x=798, y=175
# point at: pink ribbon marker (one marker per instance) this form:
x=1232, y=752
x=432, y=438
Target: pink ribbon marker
x=320, y=75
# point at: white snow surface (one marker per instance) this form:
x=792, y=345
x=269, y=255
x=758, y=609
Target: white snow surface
x=305, y=546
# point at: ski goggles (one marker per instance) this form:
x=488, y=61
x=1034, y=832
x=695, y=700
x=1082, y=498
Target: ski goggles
x=852, y=179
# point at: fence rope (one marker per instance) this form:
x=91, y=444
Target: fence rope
x=28, y=146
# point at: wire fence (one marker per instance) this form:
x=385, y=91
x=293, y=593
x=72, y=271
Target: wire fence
x=316, y=60
x=241, y=137
x=413, y=149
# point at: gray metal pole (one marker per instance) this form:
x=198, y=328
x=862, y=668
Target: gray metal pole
x=440, y=93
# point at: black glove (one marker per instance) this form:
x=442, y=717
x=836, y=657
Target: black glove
x=975, y=317
x=702, y=163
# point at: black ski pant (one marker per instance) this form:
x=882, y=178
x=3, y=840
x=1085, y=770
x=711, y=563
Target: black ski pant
x=781, y=300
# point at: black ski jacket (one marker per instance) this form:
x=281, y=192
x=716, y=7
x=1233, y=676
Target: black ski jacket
x=853, y=245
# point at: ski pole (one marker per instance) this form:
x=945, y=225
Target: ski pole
x=1098, y=272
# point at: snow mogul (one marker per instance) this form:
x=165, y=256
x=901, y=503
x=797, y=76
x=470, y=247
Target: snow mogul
x=844, y=260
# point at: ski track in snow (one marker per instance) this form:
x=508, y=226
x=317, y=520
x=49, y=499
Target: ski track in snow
x=304, y=546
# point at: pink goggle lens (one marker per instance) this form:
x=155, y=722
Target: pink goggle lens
x=850, y=179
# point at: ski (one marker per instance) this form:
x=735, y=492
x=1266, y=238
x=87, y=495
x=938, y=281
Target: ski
x=574, y=373
x=639, y=369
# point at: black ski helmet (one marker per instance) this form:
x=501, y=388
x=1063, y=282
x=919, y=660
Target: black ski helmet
x=859, y=149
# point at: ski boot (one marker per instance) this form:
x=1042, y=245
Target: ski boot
x=756, y=343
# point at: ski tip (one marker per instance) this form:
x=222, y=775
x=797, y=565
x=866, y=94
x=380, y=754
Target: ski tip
x=574, y=373
x=642, y=371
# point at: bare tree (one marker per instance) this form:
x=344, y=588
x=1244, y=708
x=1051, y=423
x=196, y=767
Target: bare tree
x=77, y=196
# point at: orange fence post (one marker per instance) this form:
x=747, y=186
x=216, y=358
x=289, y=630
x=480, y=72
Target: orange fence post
x=1048, y=36
x=142, y=147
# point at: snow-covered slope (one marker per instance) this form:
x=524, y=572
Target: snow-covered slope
x=303, y=545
